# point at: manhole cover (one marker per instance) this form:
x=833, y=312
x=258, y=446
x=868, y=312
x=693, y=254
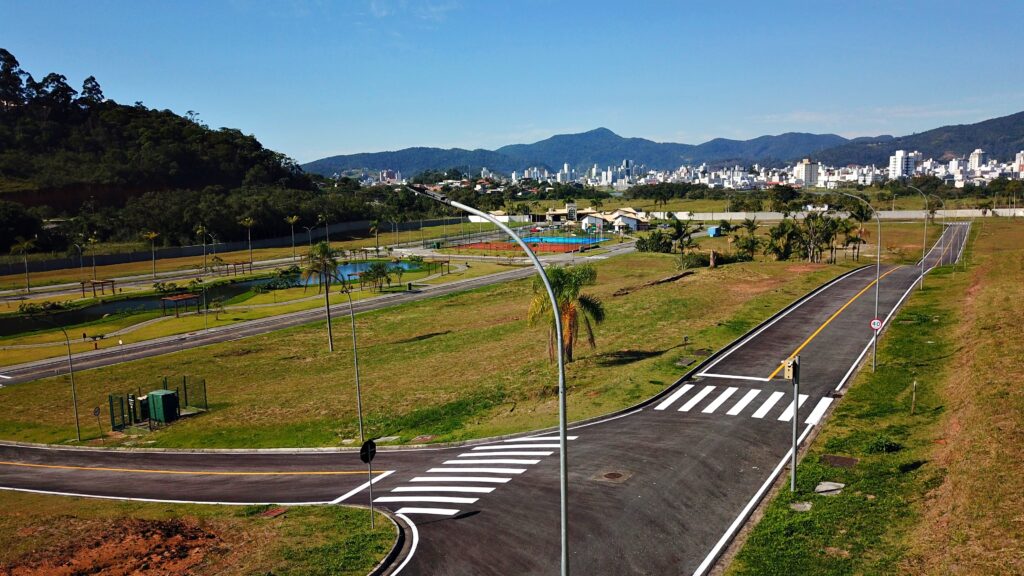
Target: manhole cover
x=613, y=476
x=839, y=461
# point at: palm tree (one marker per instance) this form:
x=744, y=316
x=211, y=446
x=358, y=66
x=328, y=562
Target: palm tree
x=574, y=306
x=375, y=230
x=322, y=263
x=248, y=222
x=292, y=221
x=22, y=247
x=201, y=230
x=152, y=236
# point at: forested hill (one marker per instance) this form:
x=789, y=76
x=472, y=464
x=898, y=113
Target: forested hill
x=59, y=146
x=600, y=146
x=1001, y=137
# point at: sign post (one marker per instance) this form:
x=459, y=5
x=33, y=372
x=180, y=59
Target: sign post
x=366, y=454
x=96, y=413
x=793, y=373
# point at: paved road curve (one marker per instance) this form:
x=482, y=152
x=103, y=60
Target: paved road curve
x=657, y=490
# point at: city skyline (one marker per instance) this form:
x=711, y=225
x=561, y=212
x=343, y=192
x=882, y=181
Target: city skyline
x=313, y=80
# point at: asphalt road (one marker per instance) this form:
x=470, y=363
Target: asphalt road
x=660, y=489
x=28, y=371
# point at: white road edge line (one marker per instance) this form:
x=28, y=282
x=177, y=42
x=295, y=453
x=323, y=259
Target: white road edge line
x=710, y=558
x=415, y=540
x=731, y=377
x=360, y=488
x=158, y=500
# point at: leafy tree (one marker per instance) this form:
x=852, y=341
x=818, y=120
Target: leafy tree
x=575, y=308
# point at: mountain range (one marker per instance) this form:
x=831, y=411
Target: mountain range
x=1001, y=137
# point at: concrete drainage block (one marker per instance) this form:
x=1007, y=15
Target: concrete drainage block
x=829, y=488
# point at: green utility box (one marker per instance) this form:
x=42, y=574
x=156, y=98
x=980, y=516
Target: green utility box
x=163, y=405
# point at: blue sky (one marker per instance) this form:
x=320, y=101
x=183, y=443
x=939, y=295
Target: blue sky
x=315, y=78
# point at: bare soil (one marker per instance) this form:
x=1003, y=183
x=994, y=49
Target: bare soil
x=132, y=547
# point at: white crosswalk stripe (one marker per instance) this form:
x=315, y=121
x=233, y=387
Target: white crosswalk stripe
x=768, y=404
x=697, y=398
x=788, y=414
x=747, y=399
x=710, y=409
x=465, y=471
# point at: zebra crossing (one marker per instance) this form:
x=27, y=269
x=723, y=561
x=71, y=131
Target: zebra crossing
x=465, y=478
x=762, y=404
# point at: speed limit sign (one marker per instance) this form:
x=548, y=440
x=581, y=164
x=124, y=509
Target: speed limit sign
x=876, y=324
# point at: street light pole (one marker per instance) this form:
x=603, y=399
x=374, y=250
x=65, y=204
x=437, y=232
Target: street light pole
x=355, y=360
x=924, y=240
x=71, y=371
x=562, y=457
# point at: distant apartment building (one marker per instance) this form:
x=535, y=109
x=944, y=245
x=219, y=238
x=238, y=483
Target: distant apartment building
x=1018, y=162
x=977, y=160
x=902, y=164
x=806, y=172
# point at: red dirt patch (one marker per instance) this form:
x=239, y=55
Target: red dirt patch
x=159, y=548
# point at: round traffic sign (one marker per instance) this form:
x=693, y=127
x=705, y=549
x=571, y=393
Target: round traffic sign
x=96, y=411
x=876, y=324
x=367, y=451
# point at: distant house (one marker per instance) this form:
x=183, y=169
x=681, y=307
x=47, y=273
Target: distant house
x=502, y=217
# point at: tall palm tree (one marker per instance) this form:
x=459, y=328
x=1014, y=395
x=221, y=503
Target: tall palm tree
x=248, y=222
x=22, y=247
x=292, y=221
x=575, y=307
x=375, y=229
x=322, y=263
x=152, y=236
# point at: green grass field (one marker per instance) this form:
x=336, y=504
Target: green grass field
x=455, y=367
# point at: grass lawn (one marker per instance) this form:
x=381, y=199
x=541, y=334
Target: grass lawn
x=935, y=491
x=42, y=533
x=454, y=367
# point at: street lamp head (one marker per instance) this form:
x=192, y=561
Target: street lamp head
x=431, y=194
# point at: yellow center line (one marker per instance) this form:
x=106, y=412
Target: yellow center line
x=187, y=472
x=830, y=319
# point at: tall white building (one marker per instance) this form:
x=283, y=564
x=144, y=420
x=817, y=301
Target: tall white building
x=1019, y=161
x=806, y=172
x=977, y=159
x=902, y=164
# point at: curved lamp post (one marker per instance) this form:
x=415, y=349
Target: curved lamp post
x=924, y=241
x=878, y=267
x=71, y=371
x=562, y=464
x=942, y=236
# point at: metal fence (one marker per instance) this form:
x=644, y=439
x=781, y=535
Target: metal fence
x=128, y=409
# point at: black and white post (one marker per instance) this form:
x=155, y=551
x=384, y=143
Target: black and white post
x=793, y=373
